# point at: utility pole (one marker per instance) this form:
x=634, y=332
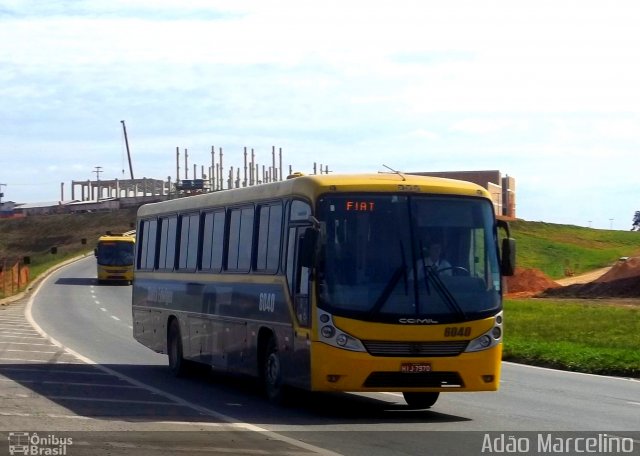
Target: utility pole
x=98, y=170
x=126, y=142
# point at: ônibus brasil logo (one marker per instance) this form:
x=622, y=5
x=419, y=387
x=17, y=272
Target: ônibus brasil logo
x=32, y=444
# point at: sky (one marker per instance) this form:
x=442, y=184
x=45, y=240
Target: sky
x=546, y=91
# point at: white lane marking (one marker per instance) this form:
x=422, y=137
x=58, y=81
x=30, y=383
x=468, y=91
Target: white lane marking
x=571, y=372
x=48, y=415
x=114, y=401
x=115, y=318
x=50, y=382
x=39, y=371
x=37, y=337
x=31, y=344
x=32, y=351
x=97, y=302
x=233, y=422
x=222, y=426
x=633, y=403
x=40, y=361
x=103, y=309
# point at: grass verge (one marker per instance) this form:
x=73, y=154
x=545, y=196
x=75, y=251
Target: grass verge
x=558, y=249
x=598, y=337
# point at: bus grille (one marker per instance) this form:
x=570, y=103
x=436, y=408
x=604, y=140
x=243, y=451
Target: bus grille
x=415, y=349
x=418, y=380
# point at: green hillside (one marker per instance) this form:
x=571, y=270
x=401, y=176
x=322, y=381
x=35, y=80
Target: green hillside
x=549, y=247
x=555, y=249
x=35, y=236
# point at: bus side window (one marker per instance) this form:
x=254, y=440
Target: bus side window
x=213, y=240
x=148, y=245
x=166, y=256
x=269, y=234
x=240, y=239
x=189, y=229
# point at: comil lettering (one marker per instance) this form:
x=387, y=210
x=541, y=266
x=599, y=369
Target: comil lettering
x=417, y=321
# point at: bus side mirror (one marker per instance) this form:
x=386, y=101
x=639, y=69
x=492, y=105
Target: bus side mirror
x=508, y=255
x=95, y=252
x=307, y=254
x=508, y=259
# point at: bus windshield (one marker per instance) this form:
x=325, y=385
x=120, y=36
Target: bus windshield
x=395, y=257
x=115, y=253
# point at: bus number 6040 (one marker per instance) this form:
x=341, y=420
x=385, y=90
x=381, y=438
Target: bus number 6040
x=267, y=302
x=457, y=331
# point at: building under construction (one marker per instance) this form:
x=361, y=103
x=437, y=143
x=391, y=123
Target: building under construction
x=502, y=189
x=203, y=179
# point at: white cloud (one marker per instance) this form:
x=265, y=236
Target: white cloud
x=426, y=134
x=481, y=126
x=544, y=91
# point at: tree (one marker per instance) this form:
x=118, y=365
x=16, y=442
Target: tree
x=636, y=222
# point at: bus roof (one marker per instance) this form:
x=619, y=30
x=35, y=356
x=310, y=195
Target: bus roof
x=313, y=186
x=117, y=238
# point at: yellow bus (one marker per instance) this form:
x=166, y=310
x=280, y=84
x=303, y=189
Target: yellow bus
x=325, y=283
x=114, y=257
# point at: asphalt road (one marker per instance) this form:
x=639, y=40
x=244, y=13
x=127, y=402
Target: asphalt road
x=93, y=322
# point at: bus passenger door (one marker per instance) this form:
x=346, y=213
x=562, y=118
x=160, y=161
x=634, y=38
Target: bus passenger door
x=299, y=280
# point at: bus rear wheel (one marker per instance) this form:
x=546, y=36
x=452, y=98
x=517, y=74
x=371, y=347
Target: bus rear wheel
x=272, y=373
x=420, y=400
x=177, y=363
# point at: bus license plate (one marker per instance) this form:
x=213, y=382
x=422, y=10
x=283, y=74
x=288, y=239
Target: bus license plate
x=415, y=368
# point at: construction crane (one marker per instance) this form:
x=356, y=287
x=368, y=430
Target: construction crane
x=126, y=142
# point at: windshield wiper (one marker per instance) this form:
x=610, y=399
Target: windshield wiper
x=388, y=289
x=401, y=271
x=443, y=291
x=440, y=287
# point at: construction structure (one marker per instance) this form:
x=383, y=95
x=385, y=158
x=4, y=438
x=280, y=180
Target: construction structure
x=216, y=178
x=97, y=190
x=502, y=189
x=203, y=179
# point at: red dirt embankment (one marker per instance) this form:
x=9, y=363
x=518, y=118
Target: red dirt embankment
x=527, y=282
x=621, y=281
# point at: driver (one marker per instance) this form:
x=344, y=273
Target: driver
x=434, y=260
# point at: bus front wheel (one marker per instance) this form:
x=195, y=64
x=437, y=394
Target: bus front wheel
x=272, y=373
x=420, y=400
x=177, y=363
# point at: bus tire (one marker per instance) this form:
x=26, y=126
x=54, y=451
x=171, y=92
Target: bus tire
x=177, y=364
x=272, y=373
x=420, y=400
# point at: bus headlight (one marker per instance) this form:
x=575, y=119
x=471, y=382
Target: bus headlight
x=331, y=335
x=328, y=331
x=489, y=339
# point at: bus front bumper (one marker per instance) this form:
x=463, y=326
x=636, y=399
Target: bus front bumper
x=334, y=369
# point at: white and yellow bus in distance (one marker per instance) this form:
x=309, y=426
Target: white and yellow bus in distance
x=326, y=283
x=114, y=257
